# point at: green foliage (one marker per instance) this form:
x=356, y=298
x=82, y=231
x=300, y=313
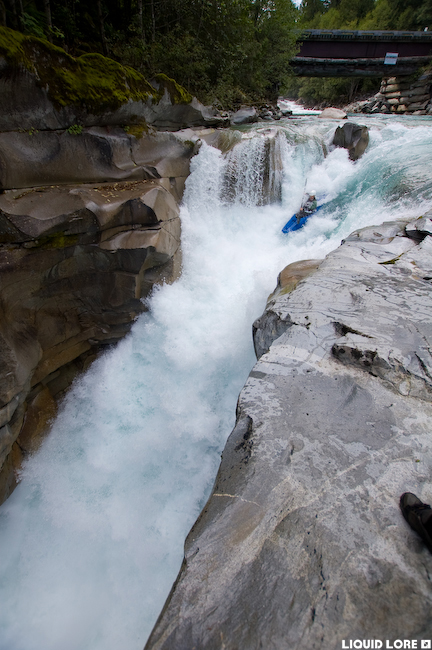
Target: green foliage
x=75, y=129
x=330, y=90
x=92, y=79
x=137, y=130
x=58, y=240
x=177, y=93
x=229, y=51
x=366, y=14
x=33, y=23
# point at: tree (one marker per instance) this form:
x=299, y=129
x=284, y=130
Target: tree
x=230, y=50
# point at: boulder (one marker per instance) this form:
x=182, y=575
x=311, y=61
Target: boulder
x=411, y=99
x=420, y=228
x=333, y=114
x=292, y=274
x=416, y=106
x=392, y=87
x=301, y=543
x=355, y=107
x=245, y=115
x=353, y=137
x=168, y=116
x=393, y=95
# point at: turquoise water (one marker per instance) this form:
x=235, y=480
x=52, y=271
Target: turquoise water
x=92, y=538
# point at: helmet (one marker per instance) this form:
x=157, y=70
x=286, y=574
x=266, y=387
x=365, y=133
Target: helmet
x=312, y=193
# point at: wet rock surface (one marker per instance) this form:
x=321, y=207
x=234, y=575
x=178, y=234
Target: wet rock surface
x=75, y=264
x=94, y=155
x=353, y=137
x=245, y=115
x=302, y=543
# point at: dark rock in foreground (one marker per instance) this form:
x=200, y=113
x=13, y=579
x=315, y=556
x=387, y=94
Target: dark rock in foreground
x=302, y=543
x=353, y=137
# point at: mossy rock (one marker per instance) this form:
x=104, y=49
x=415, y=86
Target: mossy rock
x=91, y=80
x=177, y=93
x=137, y=130
x=57, y=240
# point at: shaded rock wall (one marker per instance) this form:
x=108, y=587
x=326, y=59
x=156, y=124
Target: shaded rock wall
x=76, y=260
x=96, y=154
x=302, y=543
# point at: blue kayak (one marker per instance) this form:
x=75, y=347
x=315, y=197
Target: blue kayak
x=293, y=224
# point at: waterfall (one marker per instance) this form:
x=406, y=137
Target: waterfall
x=92, y=538
x=254, y=169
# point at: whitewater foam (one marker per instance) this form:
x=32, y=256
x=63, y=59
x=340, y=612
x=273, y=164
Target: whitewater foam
x=92, y=538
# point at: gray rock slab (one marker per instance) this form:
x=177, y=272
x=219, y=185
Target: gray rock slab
x=84, y=210
x=31, y=159
x=302, y=544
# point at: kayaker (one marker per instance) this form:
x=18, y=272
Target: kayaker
x=308, y=207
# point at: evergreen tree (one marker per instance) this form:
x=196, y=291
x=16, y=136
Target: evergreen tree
x=231, y=50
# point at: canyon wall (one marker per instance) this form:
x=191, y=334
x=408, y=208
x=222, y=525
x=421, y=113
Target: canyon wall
x=301, y=543
x=91, y=177
x=90, y=223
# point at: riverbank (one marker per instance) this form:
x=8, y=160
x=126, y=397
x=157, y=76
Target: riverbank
x=395, y=95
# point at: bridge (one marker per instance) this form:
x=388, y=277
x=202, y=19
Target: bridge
x=345, y=53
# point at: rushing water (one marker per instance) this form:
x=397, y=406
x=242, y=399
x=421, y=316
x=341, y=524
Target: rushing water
x=92, y=538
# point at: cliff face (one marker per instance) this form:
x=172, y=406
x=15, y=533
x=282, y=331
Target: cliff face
x=88, y=224
x=89, y=218
x=302, y=543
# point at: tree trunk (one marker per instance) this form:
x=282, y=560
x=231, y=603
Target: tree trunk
x=2, y=13
x=141, y=21
x=47, y=8
x=15, y=21
x=102, y=28
x=153, y=21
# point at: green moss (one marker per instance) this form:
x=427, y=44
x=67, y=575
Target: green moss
x=178, y=94
x=392, y=261
x=11, y=48
x=137, y=130
x=75, y=129
x=91, y=80
x=58, y=240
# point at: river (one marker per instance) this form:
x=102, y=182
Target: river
x=92, y=538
